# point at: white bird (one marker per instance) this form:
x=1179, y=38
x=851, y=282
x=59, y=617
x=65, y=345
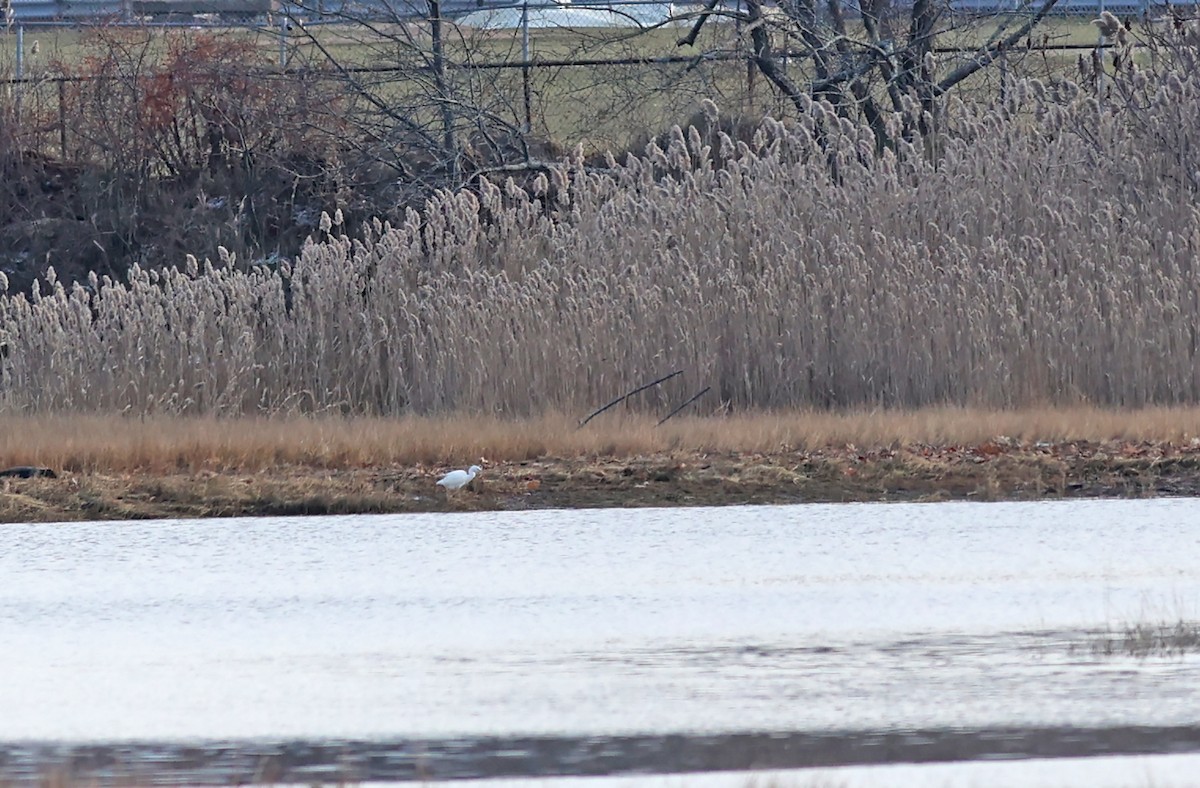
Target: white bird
x=460, y=478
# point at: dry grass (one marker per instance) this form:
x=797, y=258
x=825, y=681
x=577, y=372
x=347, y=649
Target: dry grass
x=120, y=468
x=164, y=445
x=1022, y=266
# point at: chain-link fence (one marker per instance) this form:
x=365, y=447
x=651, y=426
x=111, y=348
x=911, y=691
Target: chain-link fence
x=145, y=139
x=596, y=73
x=459, y=74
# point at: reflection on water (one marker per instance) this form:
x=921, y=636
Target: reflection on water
x=595, y=623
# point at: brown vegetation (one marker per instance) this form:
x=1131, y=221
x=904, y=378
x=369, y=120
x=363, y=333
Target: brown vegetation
x=115, y=468
x=146, y=147
x=1025, y=264
x=160, y=445
x=989, y=296
x=147, y=144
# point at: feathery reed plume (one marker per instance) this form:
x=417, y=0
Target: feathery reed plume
x=1028, y=264
x=1108, y=24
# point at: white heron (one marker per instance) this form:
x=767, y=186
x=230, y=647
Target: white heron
x=456, y=479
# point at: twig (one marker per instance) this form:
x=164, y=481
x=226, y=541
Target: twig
x=690, y=38
x=703, y=391
x=993, y=50
x=624, y=397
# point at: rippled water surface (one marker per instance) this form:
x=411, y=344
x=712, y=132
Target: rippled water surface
x=589, y=623
x=594, y=621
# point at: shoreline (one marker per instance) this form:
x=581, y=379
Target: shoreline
x=634, y=758
x=995, y=470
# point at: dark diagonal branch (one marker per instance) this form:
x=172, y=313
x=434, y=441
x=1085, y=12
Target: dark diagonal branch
x=624, y=397
x=988, y=54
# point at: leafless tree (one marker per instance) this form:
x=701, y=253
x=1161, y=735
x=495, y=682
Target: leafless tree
x=435, y=101
x=867, y=60
x=425, y=108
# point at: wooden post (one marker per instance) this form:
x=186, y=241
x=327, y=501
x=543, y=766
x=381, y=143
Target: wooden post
x=450, y=148
x=62, y=117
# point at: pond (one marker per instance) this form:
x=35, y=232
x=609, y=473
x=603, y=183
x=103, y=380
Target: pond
x=599, y=641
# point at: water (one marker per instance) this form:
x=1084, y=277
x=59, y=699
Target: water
x=599, y=626
x=1158, y=771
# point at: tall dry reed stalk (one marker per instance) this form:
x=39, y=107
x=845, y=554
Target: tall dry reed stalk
x=1046, y=255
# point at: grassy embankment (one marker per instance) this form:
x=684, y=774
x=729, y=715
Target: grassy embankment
x=113, y=468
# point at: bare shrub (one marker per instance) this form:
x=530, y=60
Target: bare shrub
x=156, y=144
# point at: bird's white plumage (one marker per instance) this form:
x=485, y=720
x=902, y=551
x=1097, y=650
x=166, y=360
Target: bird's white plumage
x=459, y=478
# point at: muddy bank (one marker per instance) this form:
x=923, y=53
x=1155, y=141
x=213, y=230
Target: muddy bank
x=991, y=471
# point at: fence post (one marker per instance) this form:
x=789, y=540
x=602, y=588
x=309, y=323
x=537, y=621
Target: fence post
x=439, y=79
x=62, y=117
x=283, y=31
x=528, y=126
x=20, y=51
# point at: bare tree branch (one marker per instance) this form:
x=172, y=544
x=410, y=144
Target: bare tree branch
x=693, y=34
x=624, y=397
x=988, y=54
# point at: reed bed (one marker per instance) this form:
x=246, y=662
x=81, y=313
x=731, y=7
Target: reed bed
x=1041, y=252
x=171, y=444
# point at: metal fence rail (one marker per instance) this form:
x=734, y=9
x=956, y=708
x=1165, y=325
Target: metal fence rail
x=66, y=10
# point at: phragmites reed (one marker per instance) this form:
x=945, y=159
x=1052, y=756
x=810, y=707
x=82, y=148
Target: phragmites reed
x=1108, y=23
x=1048, y=255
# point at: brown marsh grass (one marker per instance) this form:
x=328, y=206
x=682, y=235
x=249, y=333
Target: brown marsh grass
x=165, y=444
x=1000, y=263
